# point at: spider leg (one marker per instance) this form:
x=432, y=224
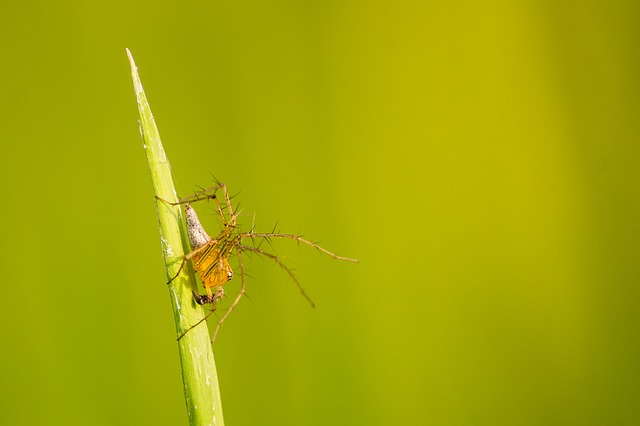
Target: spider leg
x=185, y=259
x=282, y=265
x=205, y=194
x=298, y=238
x=243, y=290
x=227, y=199
x=217, y=297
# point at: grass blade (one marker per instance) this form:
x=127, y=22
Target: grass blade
x=199, y=374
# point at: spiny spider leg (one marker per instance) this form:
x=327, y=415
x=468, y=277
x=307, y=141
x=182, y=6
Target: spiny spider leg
x=218, y=296
x=185, y=259
x=299, y=239
x=210, y=194
x=205, y=194
x=282, y=265
x=243, y=290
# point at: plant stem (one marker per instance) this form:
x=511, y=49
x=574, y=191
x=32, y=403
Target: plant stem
x=199, y=374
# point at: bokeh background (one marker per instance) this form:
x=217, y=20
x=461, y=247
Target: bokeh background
x=479, y=158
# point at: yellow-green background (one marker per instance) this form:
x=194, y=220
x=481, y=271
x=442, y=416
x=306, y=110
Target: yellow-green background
x=479, y=158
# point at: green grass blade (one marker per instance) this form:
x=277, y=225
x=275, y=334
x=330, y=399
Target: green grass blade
x=199, y=374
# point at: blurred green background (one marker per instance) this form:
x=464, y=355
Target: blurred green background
x=480, y=159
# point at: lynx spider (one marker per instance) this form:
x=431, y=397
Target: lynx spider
x=210, y=256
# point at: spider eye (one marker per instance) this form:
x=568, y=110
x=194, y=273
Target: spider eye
x=229, y=275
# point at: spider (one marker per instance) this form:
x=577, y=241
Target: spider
x=210, y=256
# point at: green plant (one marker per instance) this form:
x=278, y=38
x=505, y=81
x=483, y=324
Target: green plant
x=199, y=374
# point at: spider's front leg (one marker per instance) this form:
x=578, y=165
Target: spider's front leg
x=187, y=257
x=205, y=194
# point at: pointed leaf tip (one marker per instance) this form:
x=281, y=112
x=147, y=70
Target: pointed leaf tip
x=131, y=61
